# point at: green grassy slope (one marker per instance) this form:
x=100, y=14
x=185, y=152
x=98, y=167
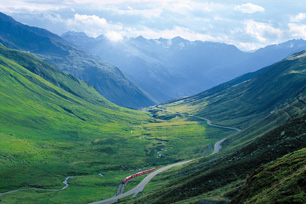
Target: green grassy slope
x=294, y=109
x=221, y=176
x=53, y=125
x=47, y=131
x=282, y=181
x=242, y=104
x=107, y=79
x=41, y=123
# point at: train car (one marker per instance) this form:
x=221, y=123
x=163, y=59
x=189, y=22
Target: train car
x=137, y=174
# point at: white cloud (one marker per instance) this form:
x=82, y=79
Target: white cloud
x=12, y=6
x=53, y=17
x=146, y=13
x=299, y=17
x=105, y=2
x=249, y=8
x=188, y=6
x=176, y=6
x=263, y=32
x=94, y=26
x=159, y=3
x=248, y=46
x=90, y=20
x=297, y=31
x=207, y=20
x=114, y=36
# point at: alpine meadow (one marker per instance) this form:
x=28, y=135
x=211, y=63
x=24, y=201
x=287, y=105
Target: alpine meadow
x=152, y=102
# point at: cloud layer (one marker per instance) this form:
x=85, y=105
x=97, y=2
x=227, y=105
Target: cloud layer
x=249, y=8
x=248, y=25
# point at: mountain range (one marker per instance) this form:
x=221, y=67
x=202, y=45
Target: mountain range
x=263, y=163
x=45, y=111
x=242, y=101
x=55, y=127
x=107, y=79
x=173, y=68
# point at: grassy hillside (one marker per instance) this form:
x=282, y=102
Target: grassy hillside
x=282, y=181
x=53, y=125
x=39, y=119
x=221, y=176
x=107, y=79
x=279, y=132
x=241, y=103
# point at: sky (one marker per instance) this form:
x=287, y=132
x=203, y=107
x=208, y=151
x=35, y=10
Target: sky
x=247, y=24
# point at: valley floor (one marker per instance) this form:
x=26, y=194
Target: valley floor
x=162, y=141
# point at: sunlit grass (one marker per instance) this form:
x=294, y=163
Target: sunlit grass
x=53, y=126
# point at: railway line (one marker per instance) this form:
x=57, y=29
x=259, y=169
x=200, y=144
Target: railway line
x=145, y=181
x=151, y=173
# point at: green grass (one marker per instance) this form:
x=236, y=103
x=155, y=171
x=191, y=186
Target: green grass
x=242, y=103
x=282, y=181
x=274, y=125
x=218, y=195
x=82, y=189
x=53, y=126
x=99, y=155
x=206, y=178
x=114, y=85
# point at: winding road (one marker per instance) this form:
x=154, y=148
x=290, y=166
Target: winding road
x=217, y=146
x=217, y=126
x=140, y=187
x=209, y=121
x=120, y=189
x=64, y=182
x=145, y=181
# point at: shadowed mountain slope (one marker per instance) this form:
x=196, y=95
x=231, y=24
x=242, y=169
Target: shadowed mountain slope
x=222, y=176
x=174, y=68
x=53, y=125
x=50, y=119
x=282, y=181
x=107, y=79
x=243, y=101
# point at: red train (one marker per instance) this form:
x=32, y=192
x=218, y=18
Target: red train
x=137, y=174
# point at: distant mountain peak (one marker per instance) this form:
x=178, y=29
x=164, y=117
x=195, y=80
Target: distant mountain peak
x=178, y=39
x=294, y=44
x=140, y=38
x=62, y=53
x=74, y=33
x=102, y=37
x=176, y=67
